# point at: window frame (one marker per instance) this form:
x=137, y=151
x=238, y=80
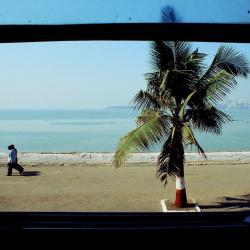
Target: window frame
x=60, y=227
x=199, y=32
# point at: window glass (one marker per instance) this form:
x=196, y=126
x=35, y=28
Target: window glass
x=64, y=105
x=121, y=11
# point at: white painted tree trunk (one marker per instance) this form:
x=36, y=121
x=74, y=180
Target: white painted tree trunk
x=181, y=197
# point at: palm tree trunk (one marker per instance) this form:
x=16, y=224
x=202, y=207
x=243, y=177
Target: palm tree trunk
x=180, y=196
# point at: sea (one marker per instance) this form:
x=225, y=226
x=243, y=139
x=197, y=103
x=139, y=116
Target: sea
x=100, y=130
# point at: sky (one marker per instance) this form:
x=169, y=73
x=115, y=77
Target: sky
x=81, y=75
x=89, y=11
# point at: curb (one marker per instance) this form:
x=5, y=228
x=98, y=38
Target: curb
x=166, y=210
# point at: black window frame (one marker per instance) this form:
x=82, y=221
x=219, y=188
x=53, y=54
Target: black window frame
x=199, y=32
x=72, y=227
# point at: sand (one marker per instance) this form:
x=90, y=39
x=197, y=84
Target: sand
x=95, y=187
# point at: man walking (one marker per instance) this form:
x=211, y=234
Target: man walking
x=12, y=161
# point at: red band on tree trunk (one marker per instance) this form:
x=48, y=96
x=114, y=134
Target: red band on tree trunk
x=181, y=198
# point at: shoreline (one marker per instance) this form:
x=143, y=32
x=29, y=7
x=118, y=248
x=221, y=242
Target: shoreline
x=136, y=158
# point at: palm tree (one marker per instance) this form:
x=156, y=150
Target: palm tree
x=181, y=95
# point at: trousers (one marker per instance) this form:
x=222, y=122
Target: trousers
x=15, y=166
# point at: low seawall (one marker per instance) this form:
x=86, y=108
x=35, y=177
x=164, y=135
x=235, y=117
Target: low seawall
x=137, y=158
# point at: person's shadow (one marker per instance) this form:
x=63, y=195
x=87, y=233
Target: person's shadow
x=31, y=173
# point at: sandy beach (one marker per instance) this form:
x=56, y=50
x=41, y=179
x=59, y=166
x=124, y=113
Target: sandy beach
x=87, y=182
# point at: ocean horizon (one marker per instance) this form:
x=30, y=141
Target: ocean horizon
x=99, y=130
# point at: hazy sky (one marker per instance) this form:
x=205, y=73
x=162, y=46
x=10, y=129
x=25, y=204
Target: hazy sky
x=71, y=74
x=93, y=74
x=71, y=11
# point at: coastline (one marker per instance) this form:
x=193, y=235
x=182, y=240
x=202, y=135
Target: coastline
x=136, y=158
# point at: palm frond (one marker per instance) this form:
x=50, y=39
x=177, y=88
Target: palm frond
x=164, y=81
x=145, y=100
x=218, y=85
x=169, y=60
x=149, y=114
x=171, y=159
x=169, y=15
x=176, y=83
x=189, y=139
x=153, y=82
x=185, y=103
x=219, y=79
x=207, y=119
x=230, y=60
x=182, y=52
x=195, y=64
x=197, y=57
x=169, y=54
x=161, y=54
x=141, y=139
